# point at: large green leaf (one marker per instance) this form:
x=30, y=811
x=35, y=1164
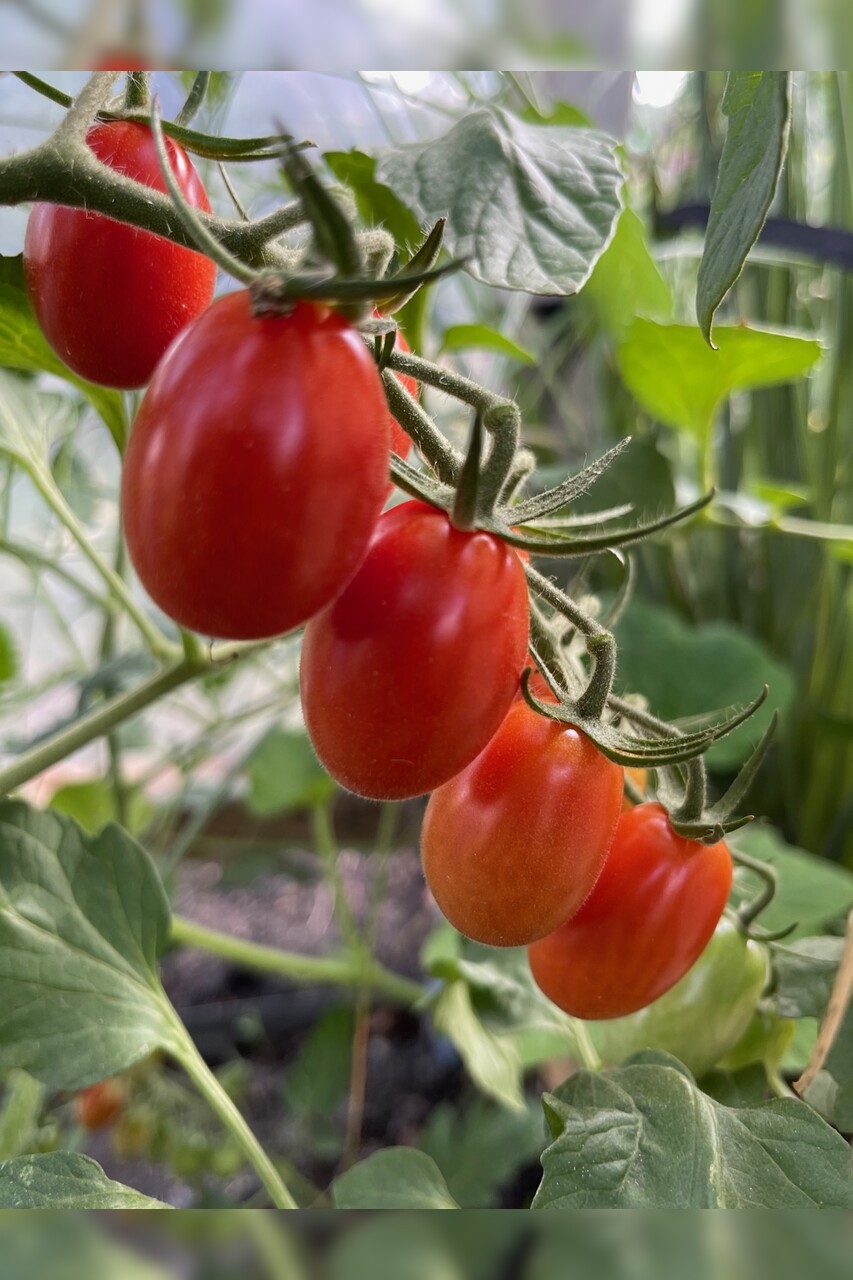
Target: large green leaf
x=494, y=1013
x=684, y=671
x=64, y=1180
x=804, y=972
x=626, y=282
x=19, y=1118
x=467, y=337
x=66, y=1246
x=396, y=1178
x=82, y=922
x=645, y=1136
x=831, y=1091
x=24, y=347
x=758, y=107
x=677, y=378
x=376, y=202
x=481, y=1148
x=389, y=1246
x=530, y=207
x=811, y=892
x=284, y=773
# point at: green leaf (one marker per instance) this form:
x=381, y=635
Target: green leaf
x=318, y=1080
x=811, y=890
x=66, y=1246
x=377, y=203
x=679, y=380
x=742, y=1088
x=388, y=1246
x=8, y=656
x=23, y=347
x=805, y=971
x=19, y=1117
x=530, y=208
x=645, y=1136
x=284, y=773
x=758, y=107
x=492, y=1062
x=626, y=282
x=65, y=1180
x=504, y=997
x=831, y=1091
x=482, y=1148
x=82, y=922
x=92, y=804
x=464, y=337
x=396, y=1178
x=684, y=671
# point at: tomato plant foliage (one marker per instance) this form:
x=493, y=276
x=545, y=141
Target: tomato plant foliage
x=579, y=851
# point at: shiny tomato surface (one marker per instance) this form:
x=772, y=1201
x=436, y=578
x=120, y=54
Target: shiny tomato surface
x=513, y=845
x=256, y=469
x=407, y=675
x=650, y=916
x=109, y=297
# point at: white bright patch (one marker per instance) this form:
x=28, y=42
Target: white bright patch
x=658, y=88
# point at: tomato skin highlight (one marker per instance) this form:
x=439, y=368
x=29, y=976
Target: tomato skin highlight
x=256, y=468
x=110, y=298
x=651, y=914
x=702, y=1017
x=513, y=845
x=406, y=676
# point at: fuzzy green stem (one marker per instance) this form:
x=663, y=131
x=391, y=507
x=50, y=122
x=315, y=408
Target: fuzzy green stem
x=94, y=725
x=194, y=99
x=210, y=1089
x=137, y=91
x=119, y=590
x=587, y=1052
x=749, y=911
x=339, y=970
x=445, y=460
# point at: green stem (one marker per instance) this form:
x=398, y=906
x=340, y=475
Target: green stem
x=587, y=1051
x=210, y=1088
x=94, y=725
x=38, y=560
x=119, y=590
x=195, y=98
x=327, y=847
x=341, y=970
x=137, y=91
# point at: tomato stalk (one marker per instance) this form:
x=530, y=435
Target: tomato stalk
x=137, y=91
x=194, y=99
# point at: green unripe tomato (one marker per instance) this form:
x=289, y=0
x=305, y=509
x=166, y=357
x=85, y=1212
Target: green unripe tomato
x=705, y=1014
x=766, y=1040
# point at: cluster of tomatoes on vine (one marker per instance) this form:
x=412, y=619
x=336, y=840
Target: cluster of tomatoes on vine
x=253, y=490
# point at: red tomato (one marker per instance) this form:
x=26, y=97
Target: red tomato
x=256, y=468
x=411, y=670
x=100, y=1104
x=648, y=919
x=109, y=297
x=513, y=845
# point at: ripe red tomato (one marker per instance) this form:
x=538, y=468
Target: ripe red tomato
x=407, y=675
x=648, y=919
x=256, y=468
x=513, y=845
x=100, y=1104
x=109, y=297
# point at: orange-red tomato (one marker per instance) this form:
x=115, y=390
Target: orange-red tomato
x=256, y=468
x=109, y=297
x=100, y=1104
x=514, y=844
x=407, y=675
x=650, y=916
